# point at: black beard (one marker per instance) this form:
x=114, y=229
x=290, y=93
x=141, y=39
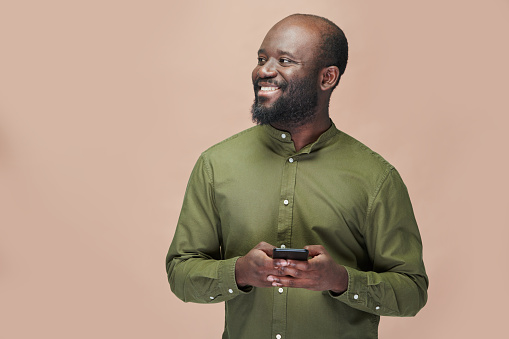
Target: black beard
x=295, y=107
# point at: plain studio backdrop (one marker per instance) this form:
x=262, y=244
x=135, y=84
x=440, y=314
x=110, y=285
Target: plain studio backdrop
x=106, y=105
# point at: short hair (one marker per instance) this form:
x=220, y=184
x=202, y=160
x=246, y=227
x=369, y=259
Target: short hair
x=333, y=47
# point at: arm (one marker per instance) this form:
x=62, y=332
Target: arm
x=397, y=285
x=196, y=270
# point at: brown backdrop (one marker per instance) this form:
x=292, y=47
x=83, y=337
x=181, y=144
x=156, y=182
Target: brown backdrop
x=106, y=105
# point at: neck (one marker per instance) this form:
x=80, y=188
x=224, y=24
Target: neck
x=308, y=133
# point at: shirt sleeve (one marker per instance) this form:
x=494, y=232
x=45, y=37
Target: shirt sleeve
x=194, y=264
x=397, y=285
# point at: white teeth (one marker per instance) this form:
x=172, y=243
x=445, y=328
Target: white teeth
x=268, y=88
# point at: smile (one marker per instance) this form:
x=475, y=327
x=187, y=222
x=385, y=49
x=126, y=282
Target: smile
x=268, y=89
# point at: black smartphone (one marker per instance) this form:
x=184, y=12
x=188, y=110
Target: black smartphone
x=290, y=253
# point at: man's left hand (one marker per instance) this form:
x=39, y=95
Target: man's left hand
x=320, y=273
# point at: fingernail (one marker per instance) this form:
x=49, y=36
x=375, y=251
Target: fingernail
x=270, y=278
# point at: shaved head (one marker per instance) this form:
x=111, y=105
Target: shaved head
x=332, y=47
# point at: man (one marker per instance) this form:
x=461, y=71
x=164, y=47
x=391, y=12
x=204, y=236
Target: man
x=297, y=181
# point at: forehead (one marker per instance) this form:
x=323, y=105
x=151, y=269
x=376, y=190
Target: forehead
x=297, y=38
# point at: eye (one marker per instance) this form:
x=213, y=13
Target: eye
x=261, y=60
x=284, y=61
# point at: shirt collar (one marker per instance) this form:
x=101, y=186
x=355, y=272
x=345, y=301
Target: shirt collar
x=281, y=141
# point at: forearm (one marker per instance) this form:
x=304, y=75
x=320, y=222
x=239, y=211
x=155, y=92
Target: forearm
x=202, y=280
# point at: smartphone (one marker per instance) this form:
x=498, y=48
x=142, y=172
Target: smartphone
x=290, y=253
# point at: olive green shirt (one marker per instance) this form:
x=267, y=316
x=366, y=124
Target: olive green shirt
x=335, y=192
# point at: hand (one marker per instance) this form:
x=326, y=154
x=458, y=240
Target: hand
x=320, y=273
x=254, y=268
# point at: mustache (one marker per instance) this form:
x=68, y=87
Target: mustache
x=280, y=84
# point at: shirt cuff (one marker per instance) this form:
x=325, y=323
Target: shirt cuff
x=228, y=288
x=357, y=294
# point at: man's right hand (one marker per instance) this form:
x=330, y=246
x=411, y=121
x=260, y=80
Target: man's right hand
x=254, y=268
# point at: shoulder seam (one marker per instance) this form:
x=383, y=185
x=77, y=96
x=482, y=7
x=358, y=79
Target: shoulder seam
x=365, y=148
x=382, y=180
x=230, y=138
x=207, y=168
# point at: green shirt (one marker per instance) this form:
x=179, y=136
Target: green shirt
x=335, y=192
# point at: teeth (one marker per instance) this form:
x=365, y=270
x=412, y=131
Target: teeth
x=268, y=88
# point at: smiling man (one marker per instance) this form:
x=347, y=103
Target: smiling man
x=295, y=180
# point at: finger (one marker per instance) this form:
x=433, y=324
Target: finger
x=280, y=263
x=267, y=253
x=318, y=262
x=276, y=271
x=315, y=250
x=293, y=282
x=302, y=265
x=293, y=272
x=263, y=244
x=275, y=280
x=266, y=248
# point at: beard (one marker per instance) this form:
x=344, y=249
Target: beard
x=295, y=107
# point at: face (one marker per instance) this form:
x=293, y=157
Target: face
x=286, y=78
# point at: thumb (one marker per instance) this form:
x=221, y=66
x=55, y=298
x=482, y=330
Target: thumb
x=266, y=248
x=315, y=250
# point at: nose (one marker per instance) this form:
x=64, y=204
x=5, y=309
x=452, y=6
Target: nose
x=267, y=70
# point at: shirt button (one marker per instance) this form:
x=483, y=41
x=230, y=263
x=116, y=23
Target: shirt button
x=290, y=160
x=278, y=336
x=230, y=290
x=356, y=296
x=285, y=202
x=281, y=290
x=283, y=246
x=377, y=308
x=283, y=135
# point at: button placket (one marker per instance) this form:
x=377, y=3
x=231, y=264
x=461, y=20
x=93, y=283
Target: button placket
x=284, y=237
x=285, y=217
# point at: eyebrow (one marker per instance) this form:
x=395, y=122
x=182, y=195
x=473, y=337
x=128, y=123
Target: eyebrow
x=262, y=51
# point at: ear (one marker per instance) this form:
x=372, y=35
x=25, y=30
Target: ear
x=329, y=77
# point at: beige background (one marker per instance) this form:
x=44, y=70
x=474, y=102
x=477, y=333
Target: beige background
x=106, y=105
